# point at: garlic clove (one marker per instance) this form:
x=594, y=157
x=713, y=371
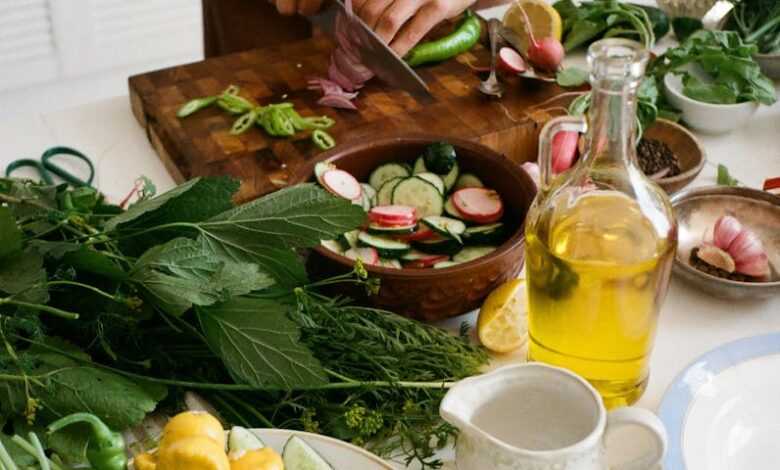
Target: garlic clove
x=714, y=256
x=756, y=267
x=727, y=228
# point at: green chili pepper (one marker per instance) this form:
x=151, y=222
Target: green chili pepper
x=281, y=123
x=244, y=122
x=461, y=40
x=195, y=105
x=231, y=90
x=322, y=139
x=106, y=449
x=319, y=122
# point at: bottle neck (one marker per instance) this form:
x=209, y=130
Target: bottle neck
x=612, y=122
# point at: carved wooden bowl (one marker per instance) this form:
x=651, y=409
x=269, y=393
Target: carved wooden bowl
x=435, y=294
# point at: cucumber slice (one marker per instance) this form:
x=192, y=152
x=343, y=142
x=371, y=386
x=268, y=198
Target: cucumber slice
x=473, y=252
x=386, y=247
x=445, y=264
x=369, y=196
x=349, y=239
x=468, y=180
x=419, y=166
x=434, y=179
x=414, y=255
x=333, y=246
x=384, y=197
x=390, y=263
x=420, y=194
x=448, y=246
x=445, y=226
x=243, y=440
x=321, y=168
x=377, y=229
x=451, y=210
x=492, y=234
x=451, y=177
x=384, y=173
x=298, y=455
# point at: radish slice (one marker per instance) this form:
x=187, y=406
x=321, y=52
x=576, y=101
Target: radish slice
x=393, y=215
x=426, y=262
x=564, y=150
x=511, y=61
x=422, y=233
x=366, y=254
x=479, y=205
x=342, y=184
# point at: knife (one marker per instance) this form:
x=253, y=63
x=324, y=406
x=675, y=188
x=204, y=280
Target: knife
x=373, y=52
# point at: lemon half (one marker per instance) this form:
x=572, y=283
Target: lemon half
x=545, y=20
x=502, y=325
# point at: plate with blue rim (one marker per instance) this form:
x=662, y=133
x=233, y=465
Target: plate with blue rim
x=723, y=411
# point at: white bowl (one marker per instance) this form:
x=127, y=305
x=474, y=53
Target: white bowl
x=706, y=117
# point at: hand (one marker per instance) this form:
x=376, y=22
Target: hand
x=403, y=23
x=301, y=7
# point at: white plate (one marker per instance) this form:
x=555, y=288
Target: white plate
x=722, y=411
x=341, y=455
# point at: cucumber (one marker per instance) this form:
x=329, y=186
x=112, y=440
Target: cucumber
x=414, y=255
x=492, y=234
x=384, y=173
x=349, y=239
x=434, y=179
x=473, y=252
x=384, y=197
x=420, y=194
x=243, y=440
x=333, y=246
x=440, y=157
x=445, y=226
x=451, y=210
x=298, y=455
x=451, y=177
x=369, y=196
x=419, y=166
x=468, y=180
x=389, y=263
x=447, y=246
x=445, y=264
x=386, y=247
x=377, y=229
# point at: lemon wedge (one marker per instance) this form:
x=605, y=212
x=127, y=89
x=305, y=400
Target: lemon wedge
x=502, y=325
x=545, y=20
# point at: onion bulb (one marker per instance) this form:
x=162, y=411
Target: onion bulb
x=742, y=245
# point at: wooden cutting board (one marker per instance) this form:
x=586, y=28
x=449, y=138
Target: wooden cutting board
x=201, y=145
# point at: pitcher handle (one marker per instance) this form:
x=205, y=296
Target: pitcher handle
x=650, y=423
x=553, y=126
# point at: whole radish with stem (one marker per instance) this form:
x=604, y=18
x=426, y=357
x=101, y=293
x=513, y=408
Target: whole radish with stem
x=545, y=54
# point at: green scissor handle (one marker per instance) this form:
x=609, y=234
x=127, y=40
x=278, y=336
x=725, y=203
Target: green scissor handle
x=45, y=166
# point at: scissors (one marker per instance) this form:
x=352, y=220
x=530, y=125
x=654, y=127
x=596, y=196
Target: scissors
x=46, y=168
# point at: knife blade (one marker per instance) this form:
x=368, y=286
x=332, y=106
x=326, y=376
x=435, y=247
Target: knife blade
x=372, y=51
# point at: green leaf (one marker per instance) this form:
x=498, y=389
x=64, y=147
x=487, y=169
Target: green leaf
x=52, y=249
x=92, y=261
x=184, y=272
x=10, y=235
x=22, y=275
x=571, y=77
x=582, y=32
x=18, y=455
x=725, y=178
x=37, y=199
x=259, y=344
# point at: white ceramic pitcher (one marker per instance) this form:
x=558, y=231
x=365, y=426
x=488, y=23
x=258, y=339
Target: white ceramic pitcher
x=537, y=417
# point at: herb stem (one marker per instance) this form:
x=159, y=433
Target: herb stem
x=27, y=447
x=249, y=409
x=86, y=286
x=753, y=37
x=43, y=308
x=15, y=200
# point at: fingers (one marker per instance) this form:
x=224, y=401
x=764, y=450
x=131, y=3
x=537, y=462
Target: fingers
x=412, y=32
x=287, y=7
x=395, y=17
x=371, y=10
x=309, y=7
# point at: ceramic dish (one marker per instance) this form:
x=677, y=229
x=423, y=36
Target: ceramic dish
x=435, y=294
x=721, y=412
x=706, y=117
x=698, y=209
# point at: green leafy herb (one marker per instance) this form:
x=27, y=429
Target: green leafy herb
x=571, y=77
x=725, y=178
x=598, y=19
x=684, y=26
x=758, y=22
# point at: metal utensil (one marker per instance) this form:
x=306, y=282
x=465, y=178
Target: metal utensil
x=697, y=210
x=372, y=51
x=512, y=38
x=491, y=86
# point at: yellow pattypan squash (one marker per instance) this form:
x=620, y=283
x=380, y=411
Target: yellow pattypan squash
x=192, y=424
x=192, y=453
x=260, y=459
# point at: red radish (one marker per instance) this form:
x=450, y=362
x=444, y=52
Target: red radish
x=427, y=261
x=479, y=205
x=342, y=184
x=365, y=254
x=422, y=233
x=510, y=60
x=545, y=54
x=393, y=215
x=772, y=185
x=564, y=150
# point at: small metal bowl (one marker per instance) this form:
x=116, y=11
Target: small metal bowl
x=697, y=210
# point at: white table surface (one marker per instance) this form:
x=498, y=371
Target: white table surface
x=691, y=322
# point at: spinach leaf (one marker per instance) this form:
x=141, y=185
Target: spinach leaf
x=184, y=272
x=259, y=344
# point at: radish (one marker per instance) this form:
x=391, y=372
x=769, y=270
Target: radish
x=546, y=54
x=564, y=150
x=366, y=254
x=772, y=185
x=510, y=60
x=393, y=215
x=427, y=261
x=342, y=184
x=479, y=205
x=422, y=233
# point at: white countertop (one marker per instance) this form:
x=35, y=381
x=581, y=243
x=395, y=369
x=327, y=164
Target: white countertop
x=691, y=322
